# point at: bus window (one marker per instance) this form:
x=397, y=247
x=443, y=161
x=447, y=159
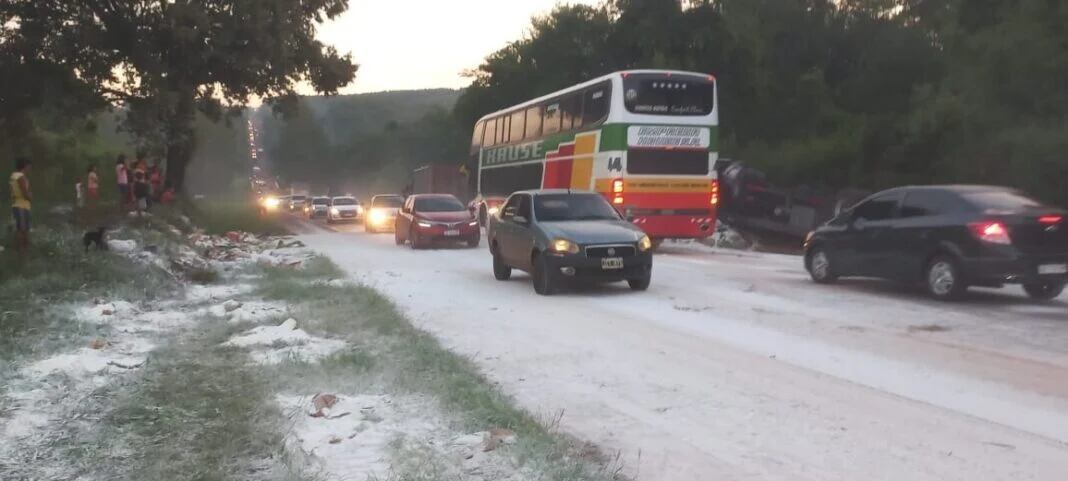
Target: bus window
x=552, y=119
x=596, y=104
x=571, y=112
x=506, y=180
x=518, y=127
x=502, y=130
x=490, y=139
x=534, y=122
x=476, y=136
x=660, y=94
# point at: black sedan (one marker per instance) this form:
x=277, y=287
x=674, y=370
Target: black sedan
x=562, y=235
x=948, y=238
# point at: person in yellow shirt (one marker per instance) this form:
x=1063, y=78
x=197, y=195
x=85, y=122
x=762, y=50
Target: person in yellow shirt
x=20, y=204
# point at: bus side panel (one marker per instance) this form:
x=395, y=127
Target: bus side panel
x=558, y=166
x=582, y=167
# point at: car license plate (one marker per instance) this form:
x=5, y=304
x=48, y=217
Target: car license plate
x=452, y=233
x=612, y=263
x=1047, y=269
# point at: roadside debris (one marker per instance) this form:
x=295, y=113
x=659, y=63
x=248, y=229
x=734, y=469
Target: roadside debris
x=275, y=344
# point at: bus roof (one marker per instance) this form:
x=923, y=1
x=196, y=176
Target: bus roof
x=590, y=83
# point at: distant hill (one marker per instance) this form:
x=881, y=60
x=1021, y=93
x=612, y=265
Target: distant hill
x=346, y=116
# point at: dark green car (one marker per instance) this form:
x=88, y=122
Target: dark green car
x=559, y=236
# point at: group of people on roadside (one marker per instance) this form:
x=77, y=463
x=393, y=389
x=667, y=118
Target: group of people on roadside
x=139, y=187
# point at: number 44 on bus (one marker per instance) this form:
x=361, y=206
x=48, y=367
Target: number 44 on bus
x=645, y=139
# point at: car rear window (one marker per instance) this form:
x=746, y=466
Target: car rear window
x=387, y=202
x=438, y=204
x=1001, y=200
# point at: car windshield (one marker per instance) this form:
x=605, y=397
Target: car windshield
x=566, y=207
x=387, y=201
x=438, y=204
x=320, y=201
x=1000, y=200
x=345, y=201
x=299, y=197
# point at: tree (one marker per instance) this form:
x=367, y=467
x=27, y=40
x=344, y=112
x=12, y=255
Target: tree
x=166, y=60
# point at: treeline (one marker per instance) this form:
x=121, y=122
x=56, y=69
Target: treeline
x=864, y=93
x=364, y=144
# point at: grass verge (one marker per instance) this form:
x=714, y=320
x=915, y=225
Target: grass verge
x=392, y=354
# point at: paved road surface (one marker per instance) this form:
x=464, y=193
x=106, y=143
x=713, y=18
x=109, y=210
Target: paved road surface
x=735, y=366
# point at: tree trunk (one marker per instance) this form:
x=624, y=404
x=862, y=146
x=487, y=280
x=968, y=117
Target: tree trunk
x=180, y=141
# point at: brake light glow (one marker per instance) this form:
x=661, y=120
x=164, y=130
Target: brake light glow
x=1050, y=219
x=715, y=193
x=618, y=200
x=992, y=232
x=617, y=186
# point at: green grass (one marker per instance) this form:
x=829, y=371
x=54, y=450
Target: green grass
x=219, y=216
x=198, y=411
x=391, y=354
x=57, y=271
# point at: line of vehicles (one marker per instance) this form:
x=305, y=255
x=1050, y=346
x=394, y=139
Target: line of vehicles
x=584, y=184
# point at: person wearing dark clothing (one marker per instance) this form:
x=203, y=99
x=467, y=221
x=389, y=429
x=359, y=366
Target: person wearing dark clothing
x=141, y=192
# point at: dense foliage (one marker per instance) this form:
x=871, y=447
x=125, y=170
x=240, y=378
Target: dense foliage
x=867, y=93
x=363, y=144
x=166, y=62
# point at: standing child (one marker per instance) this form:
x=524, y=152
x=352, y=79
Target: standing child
x=141, y=192
x=122, y=178
x=92, y=183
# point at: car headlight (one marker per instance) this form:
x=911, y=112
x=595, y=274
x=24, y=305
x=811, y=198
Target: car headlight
x=645, y=243
x=359, y=209
x=473, y=223
x=493, y=210
x=271, y=202
x=334, y=211
x=377, y=216
x=425, y=225
x=564, y=246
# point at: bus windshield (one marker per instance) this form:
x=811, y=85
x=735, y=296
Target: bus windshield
x=566, y=207
x=660, y=94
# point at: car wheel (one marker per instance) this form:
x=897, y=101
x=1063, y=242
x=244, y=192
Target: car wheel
x=501, y=271
x=544, y=281
x=820, y=267
x=473, y=242
x=640, y=283
x=397, y=239
x=943, y=279
x=413, y=239
x=1045, y=291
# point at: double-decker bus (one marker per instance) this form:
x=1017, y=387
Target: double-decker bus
x=645, y=139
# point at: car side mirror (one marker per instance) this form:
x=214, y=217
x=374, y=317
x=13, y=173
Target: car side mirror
x=518, y=219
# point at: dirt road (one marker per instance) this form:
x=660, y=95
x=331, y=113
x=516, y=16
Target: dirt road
x=735, y=366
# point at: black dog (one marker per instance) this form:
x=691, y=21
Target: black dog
x=96, y=237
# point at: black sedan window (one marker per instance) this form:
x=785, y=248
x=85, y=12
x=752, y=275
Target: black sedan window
x=565, y=207
x=1000, y=200
x=438, y=204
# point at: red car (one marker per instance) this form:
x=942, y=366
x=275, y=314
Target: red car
x=485, y=206
x=429, y=218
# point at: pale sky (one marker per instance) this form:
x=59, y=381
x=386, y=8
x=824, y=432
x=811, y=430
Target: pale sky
x=415, y=44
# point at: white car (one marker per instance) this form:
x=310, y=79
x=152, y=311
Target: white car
x=383, y=213
x=344, y=209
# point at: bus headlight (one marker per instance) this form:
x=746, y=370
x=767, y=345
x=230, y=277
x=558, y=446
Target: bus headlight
x=564, y=246
x=645, y=243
